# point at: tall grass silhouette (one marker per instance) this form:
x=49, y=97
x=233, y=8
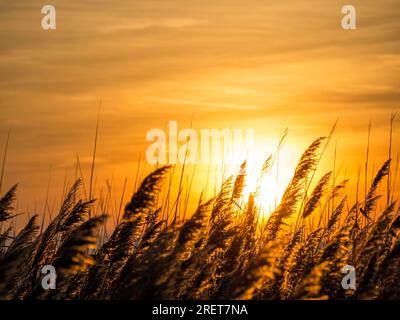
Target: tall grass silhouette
x=221, y=251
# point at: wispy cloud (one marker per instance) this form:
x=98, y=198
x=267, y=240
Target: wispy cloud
x=205, y=104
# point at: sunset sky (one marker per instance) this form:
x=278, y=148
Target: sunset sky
x=261, y=64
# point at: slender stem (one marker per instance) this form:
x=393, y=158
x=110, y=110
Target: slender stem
x=4, y=160
x=94, y=153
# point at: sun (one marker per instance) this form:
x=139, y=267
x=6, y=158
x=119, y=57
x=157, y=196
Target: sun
x=266, y=188
x=270, y=186
x=267, y=185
